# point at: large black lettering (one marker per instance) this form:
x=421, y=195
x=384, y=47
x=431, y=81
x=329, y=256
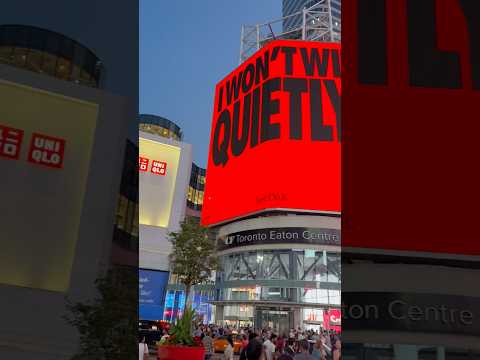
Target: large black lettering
x=320, y=131
x=314, y=61
x=336, y=62
x=295, y=87
x=255, y=118
x=248, y=78
x=262, y=67
x=239, y=142
x=372, y=42
x=220, y=99
x=289, y=51
x=429, y=67
x=268, y=130
x=220, y=149
x=471, y=10
x=335, y=99
x=233, y=87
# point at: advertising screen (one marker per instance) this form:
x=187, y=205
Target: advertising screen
x=158, y=166
x=46, y=142
x=411, y=123
x=152, y=285
x=275, y=138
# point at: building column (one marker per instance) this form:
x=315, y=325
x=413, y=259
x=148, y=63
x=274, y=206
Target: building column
x=441, y=353
x=219, y=314
x=405, y=352
x=297, y=318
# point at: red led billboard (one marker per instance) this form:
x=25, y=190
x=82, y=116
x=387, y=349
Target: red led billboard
x=411, y=95
x=275, y=138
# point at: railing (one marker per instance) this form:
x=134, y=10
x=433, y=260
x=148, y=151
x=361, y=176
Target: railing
x=314, y=23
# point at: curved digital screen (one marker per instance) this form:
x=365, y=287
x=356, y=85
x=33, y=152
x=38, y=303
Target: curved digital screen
x=276, y=134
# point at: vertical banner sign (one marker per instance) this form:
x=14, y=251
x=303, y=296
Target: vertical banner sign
x=411, y=123
x=10, y=142
x=275, y=139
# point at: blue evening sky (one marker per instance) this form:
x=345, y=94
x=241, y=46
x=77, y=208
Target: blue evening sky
x=186, y=47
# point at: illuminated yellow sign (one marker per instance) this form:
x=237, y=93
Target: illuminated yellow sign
x=158, y=163
x=42, y=206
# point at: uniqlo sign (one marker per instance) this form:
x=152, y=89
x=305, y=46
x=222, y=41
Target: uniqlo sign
x=157, y=167
x=275, y=139
x=143, y=163
x=10, y=142
x=43, y=149
x=411, y=125
x=46, y=150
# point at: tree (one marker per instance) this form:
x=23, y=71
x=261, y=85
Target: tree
x=193, y=258
x=108, y=325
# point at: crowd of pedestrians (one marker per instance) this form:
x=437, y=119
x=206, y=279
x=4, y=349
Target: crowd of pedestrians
x=264, y=344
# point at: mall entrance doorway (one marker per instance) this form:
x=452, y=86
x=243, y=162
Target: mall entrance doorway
x=280, y=320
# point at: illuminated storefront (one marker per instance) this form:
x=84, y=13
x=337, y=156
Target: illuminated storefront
x=280, y=271
x=201, y=303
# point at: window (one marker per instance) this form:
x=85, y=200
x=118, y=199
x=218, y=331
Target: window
x=49, y=64
x=63, y=69
x=20, y=57
x=35, y=60
x=6, y=54
x=43, y=51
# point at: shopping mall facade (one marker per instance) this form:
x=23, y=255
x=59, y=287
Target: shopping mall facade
x=280, y=270
x=171, y=188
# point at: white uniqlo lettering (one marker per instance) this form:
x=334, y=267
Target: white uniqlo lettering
x=46, y=150
x=159, y=167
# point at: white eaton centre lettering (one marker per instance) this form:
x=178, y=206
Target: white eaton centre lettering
x=283, y=235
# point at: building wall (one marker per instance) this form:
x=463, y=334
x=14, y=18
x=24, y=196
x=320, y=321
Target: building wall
x=25, y=310
x=162, y=202
x=114, y=39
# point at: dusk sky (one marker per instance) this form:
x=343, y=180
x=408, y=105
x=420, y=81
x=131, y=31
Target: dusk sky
x=186, y=47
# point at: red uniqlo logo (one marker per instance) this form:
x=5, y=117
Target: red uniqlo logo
x=10, y=142
x=143, y=164
x=159, y=167
x=46, y=150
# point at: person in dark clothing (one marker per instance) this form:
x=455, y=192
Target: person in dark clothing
x=290, y=348
x=254, y=350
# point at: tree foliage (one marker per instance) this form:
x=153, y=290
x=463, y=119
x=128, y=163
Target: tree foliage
x=108, y=325
x=193, y=258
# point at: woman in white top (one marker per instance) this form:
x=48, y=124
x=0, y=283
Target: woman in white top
x=142, y=349
x=228, y=352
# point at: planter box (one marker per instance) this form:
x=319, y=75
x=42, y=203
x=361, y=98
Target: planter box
x=180, y=352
